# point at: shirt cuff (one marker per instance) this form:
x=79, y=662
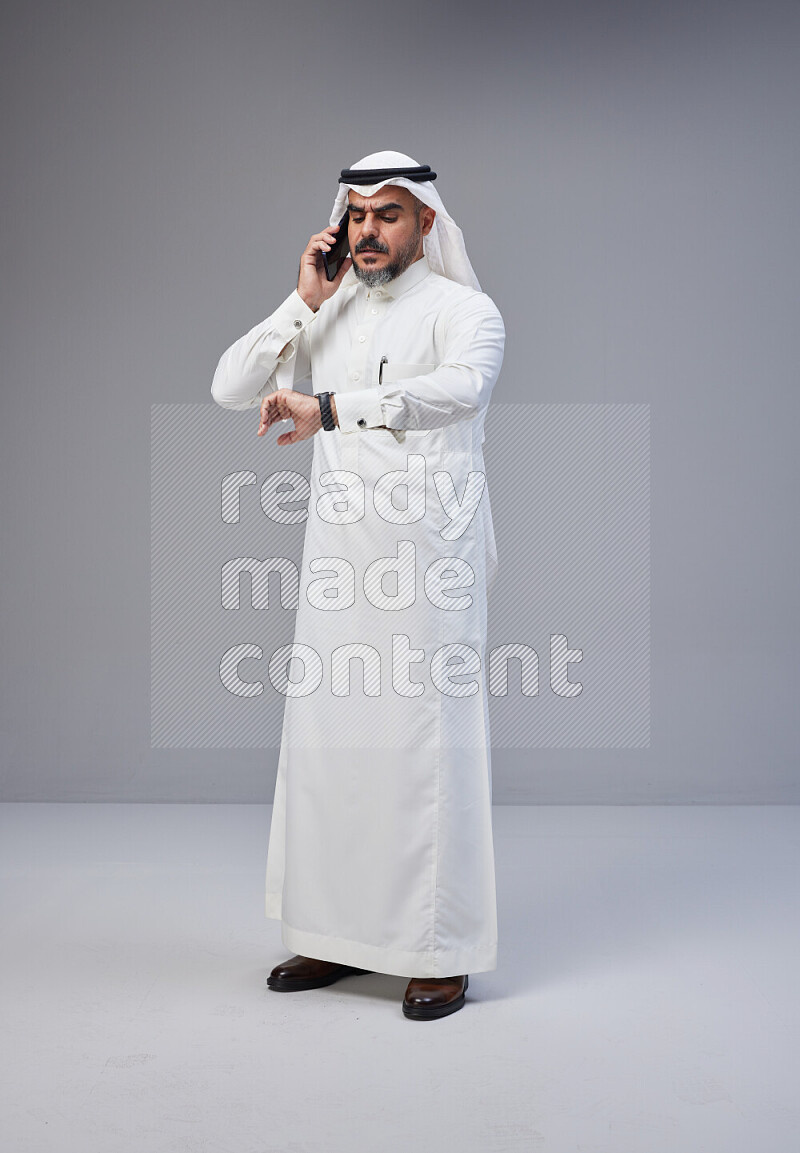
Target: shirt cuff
x=359, y=409
x=290, y=319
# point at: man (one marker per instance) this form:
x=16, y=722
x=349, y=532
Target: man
x=380, y=854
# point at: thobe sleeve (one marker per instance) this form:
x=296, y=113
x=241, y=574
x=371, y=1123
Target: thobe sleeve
x=248, y=370
x=458, y=389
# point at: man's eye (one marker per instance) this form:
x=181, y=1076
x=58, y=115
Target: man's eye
x=388, y=219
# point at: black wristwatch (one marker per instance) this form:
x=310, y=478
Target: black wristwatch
x=324, y=399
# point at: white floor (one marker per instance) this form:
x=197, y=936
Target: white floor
x=645, y=1001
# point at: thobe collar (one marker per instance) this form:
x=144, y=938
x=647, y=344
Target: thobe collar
x=414, y=274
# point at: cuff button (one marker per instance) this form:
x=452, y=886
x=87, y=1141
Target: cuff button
x=362, y=423
x=298, y=324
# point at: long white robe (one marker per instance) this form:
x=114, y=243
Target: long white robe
x=381, y=852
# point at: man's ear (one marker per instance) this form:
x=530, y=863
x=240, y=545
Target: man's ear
x=428, y=217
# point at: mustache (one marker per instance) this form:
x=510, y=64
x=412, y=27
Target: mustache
x=371, y=246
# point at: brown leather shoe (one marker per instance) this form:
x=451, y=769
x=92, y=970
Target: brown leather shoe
x=430, y=997
x=308, y=973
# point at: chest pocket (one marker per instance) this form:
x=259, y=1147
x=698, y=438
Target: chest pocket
x=394, y=372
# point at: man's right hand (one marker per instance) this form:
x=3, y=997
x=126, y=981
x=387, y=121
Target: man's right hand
x=312, y=283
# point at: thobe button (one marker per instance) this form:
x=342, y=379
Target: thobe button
x=379, y=294
x=374, y=312
x=362, y=423
x=361, y=339
x=298, y=324
x=356, y=376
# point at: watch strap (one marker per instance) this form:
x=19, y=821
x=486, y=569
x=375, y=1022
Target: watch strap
x=324, y=399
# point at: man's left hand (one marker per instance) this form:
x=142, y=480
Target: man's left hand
x=297, y=406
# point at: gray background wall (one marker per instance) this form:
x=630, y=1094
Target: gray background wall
x=626, y=178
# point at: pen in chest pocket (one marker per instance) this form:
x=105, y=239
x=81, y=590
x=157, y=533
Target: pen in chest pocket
x=384, y=360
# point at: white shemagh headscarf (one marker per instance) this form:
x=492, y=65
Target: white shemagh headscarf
x=444, y=246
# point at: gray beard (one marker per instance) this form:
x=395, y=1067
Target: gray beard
x=373, y=277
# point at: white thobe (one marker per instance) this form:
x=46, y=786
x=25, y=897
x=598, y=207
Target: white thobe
x=381, y=852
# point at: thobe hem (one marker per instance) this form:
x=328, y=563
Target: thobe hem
x=397, y=962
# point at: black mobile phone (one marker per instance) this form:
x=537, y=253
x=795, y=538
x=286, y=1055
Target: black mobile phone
x=341, y=246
